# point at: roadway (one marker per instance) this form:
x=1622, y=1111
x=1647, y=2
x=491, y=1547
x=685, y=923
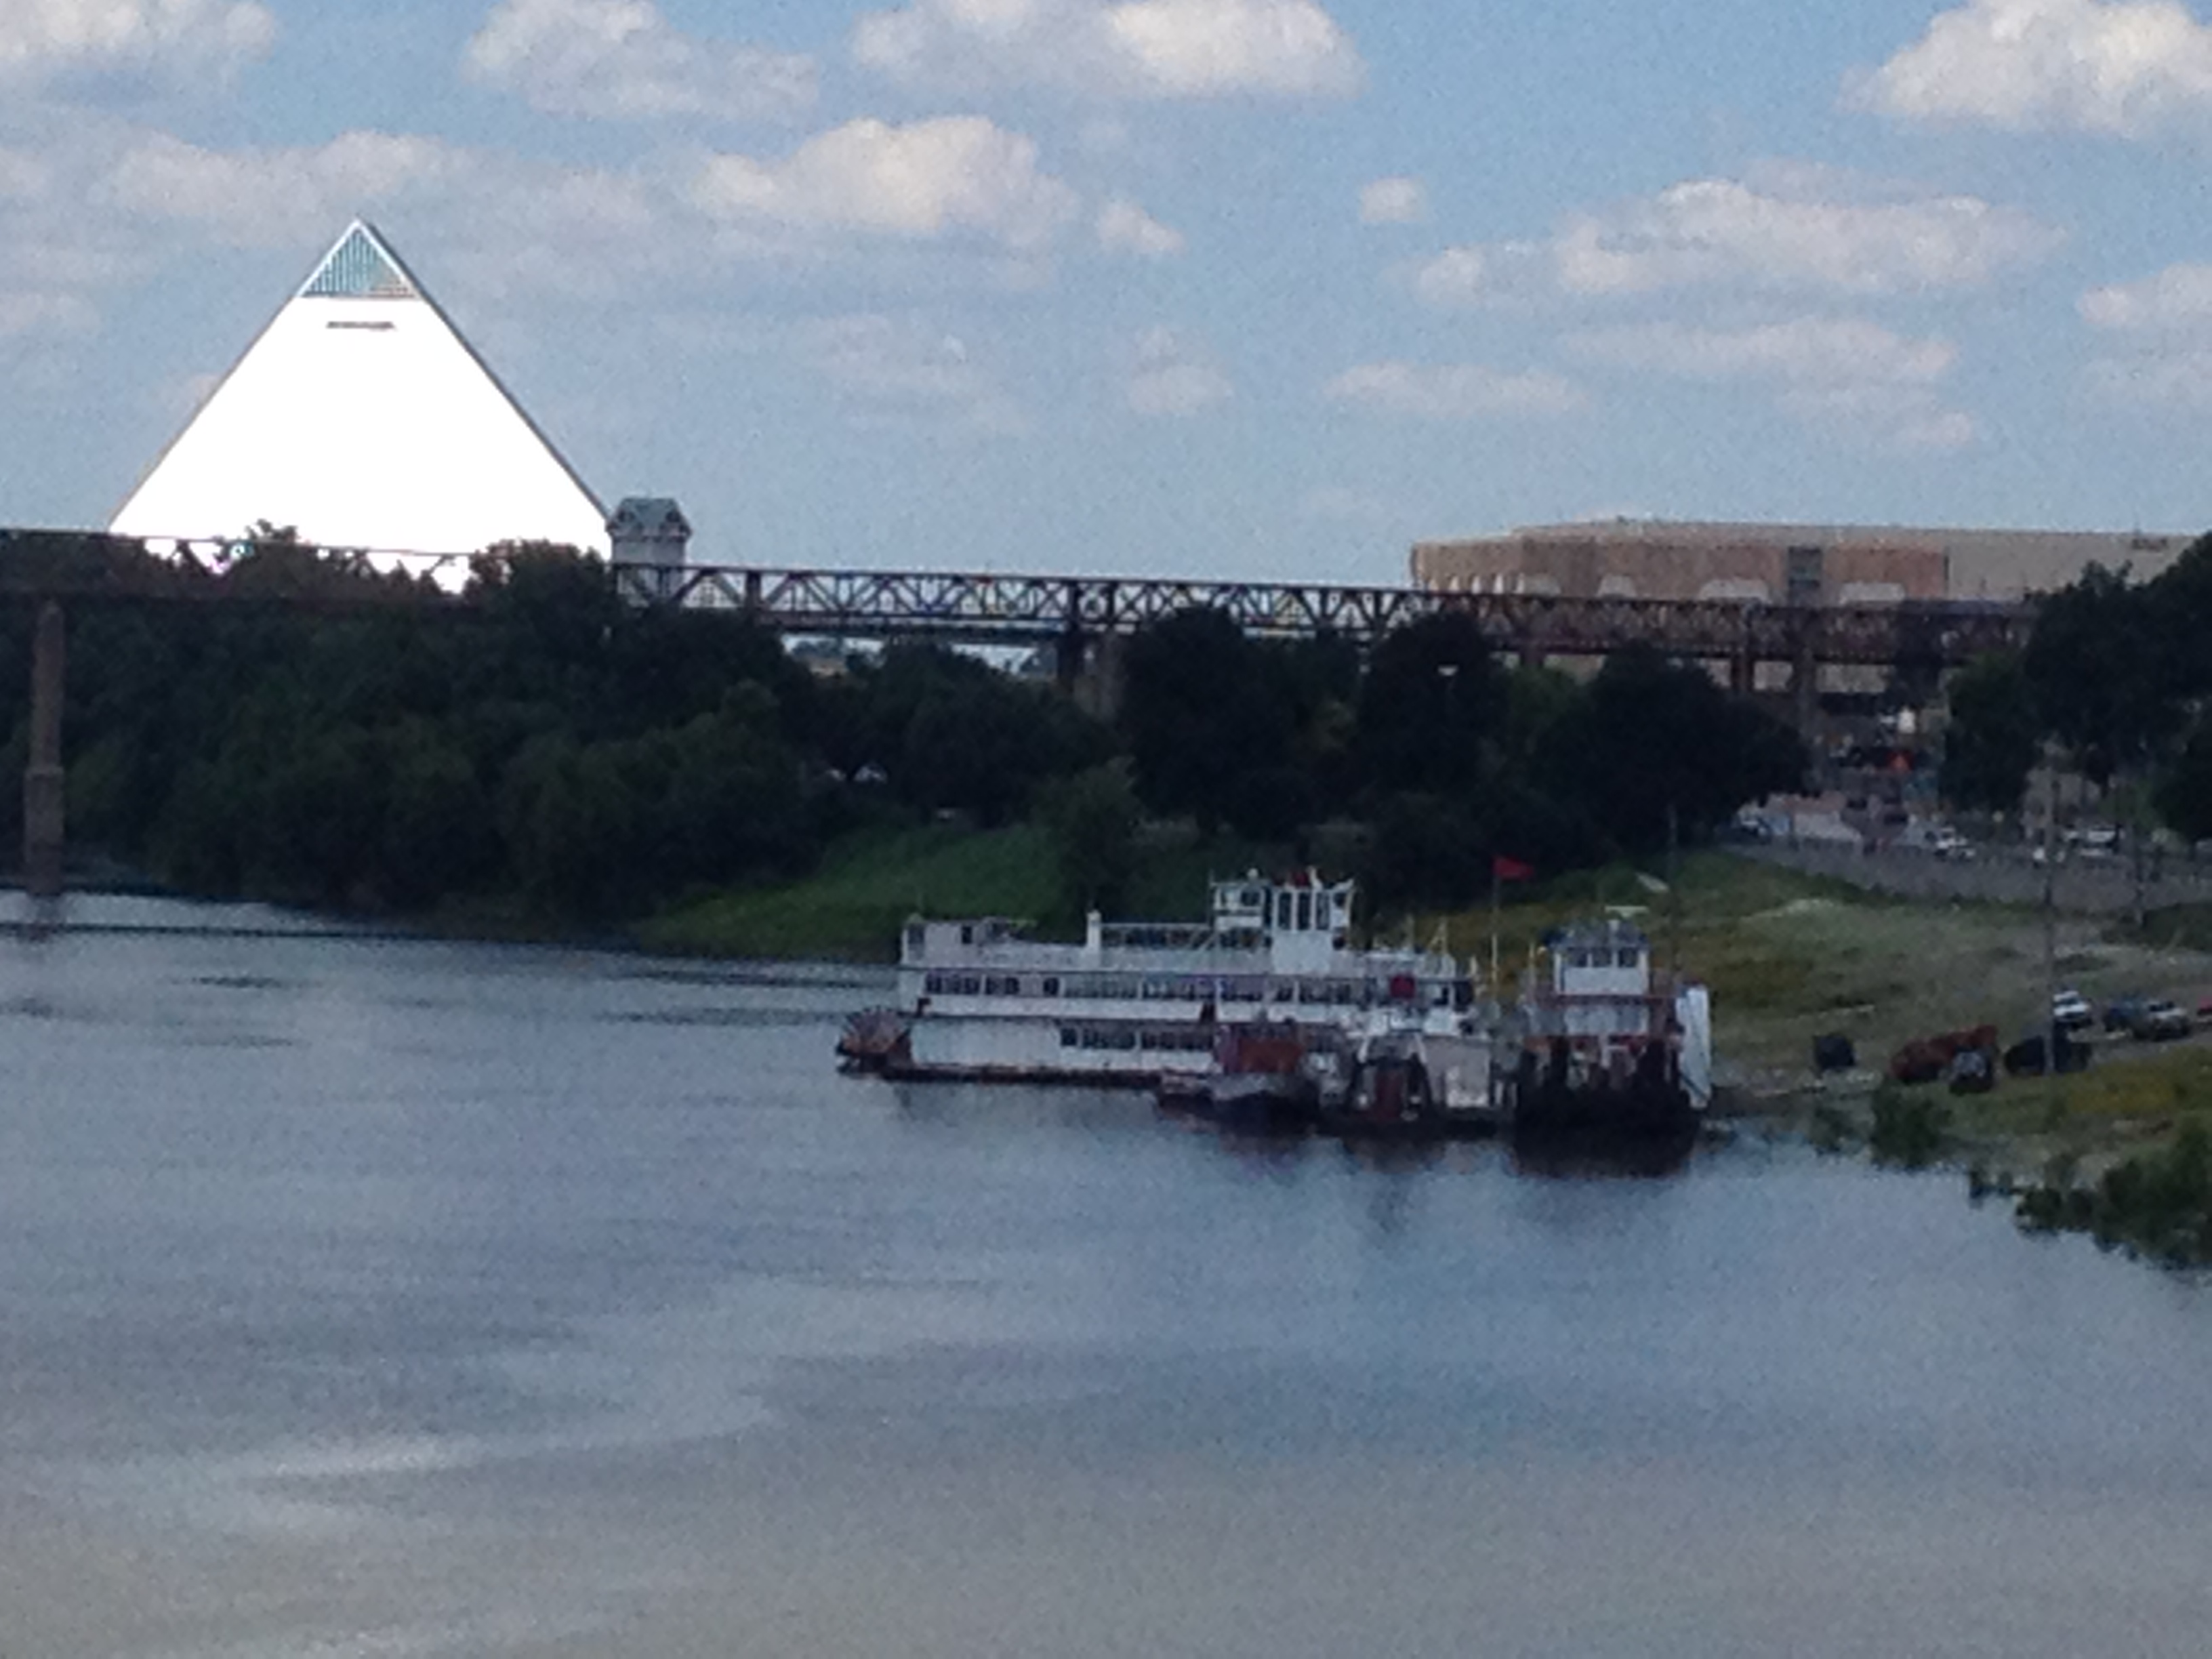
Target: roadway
x=1999, y=875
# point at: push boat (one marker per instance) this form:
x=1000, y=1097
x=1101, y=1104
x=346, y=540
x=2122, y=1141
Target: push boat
x=1607, y=1044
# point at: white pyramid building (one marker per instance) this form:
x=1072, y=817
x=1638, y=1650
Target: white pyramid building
x=363, y=419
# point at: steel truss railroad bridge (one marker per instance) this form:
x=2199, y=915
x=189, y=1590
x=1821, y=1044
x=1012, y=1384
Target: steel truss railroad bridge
x=1076, y=614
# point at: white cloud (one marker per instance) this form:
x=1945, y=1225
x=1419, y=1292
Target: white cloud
x=1175, y=374
x=2178, y=298
x=45, y=313
x=2164, y=354
x=1457, y=276
x=1160, y=48
x=1125, y=227
x=2123, y=67
x=622, y=58
x=902, y=369
x=175, y=38
x=934, y=179
x=22, y=176
x=1838, y=372
x=1795, y=228
x=1394, y=201
x=1786, y=228
x=1454, y=391
x=262, y=197
x=1805, y=351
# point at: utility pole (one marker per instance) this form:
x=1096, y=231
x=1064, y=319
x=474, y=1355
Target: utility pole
x=2050, y=913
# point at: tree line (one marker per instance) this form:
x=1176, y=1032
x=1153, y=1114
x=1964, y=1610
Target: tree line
x=2115, y=681
x=371, y=743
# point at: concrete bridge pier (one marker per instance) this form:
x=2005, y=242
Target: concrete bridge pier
x=1805, y=689
x=45, y=784
x=1096, y=673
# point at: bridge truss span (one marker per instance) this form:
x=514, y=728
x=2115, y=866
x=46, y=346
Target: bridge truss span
x=993, y=608
x=989, y=608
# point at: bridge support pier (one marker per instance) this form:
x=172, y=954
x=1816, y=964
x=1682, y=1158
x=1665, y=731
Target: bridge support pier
x=45, y=784
x=1743, y=674
x=1099, y=675
x=1805, y=690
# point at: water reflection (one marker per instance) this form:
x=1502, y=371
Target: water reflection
x=1594, y=1155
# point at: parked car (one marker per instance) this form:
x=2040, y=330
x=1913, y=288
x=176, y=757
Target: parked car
x=2094, y=840
x=2033, y=1056
x=2121, y=1012
x=1945, y=842
x=2160, y=1019
x=2070, y=1011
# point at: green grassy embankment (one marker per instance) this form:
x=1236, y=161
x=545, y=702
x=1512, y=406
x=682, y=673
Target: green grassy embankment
x=1789, y=958
x=851, y=907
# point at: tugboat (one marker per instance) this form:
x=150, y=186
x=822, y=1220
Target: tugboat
x=1607, y=1048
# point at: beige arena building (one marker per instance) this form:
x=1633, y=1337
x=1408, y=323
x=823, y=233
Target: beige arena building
x=1781, y=563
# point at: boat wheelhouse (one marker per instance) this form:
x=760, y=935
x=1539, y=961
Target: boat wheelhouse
x=1136, y=1001
x=1608, y=1042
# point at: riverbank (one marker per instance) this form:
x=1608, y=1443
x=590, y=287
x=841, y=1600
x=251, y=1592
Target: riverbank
x=1790, y=955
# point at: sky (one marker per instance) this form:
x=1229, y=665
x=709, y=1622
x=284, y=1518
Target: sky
x=1224, y=288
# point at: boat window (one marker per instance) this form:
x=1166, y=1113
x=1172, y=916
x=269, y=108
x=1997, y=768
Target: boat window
x=935, y=985
x=1345, y=991
x=916, y=936
x=1579, y=959
x=1124, y=1039
x=1305, y=913
x=967, y=934
x=1050, y=986
x=1285, y=990
x=970, y=985
x=1628, y=958
x=1069, y=1036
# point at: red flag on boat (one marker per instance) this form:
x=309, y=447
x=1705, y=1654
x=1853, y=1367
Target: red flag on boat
x=1505, y=869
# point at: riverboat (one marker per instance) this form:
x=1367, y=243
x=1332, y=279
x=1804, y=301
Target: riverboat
x=1136, y=1004
x=1608, y=1045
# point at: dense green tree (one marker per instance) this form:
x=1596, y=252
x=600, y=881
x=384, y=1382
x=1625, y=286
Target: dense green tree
x=1653, y=737
x=1201, y=714
x=1427, y=852
x=2183, y=796
x=1433, y=709
x=1994, y=736
x=1093, y=818
x=2100, y=681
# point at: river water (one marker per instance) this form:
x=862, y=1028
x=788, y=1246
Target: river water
x=373, y=1298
